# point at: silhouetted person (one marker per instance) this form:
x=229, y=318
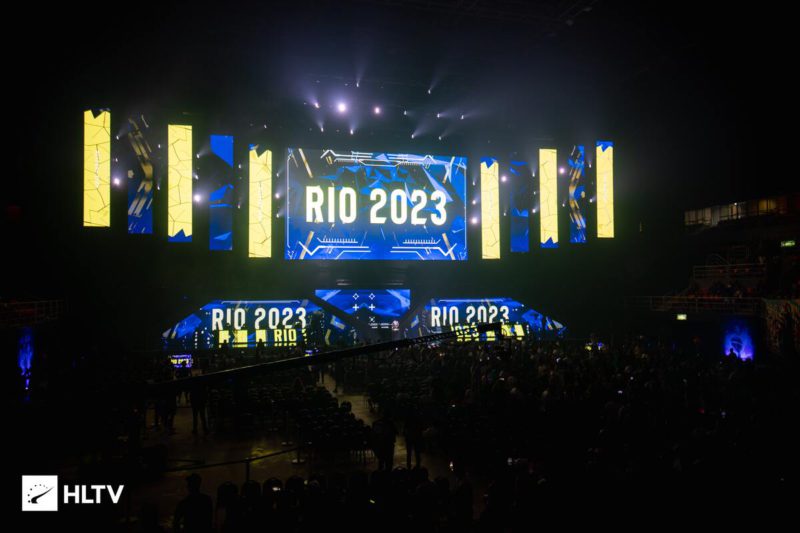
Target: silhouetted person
x=193, y=513
x=412, y=432
x=199, y=398
x=384, y=434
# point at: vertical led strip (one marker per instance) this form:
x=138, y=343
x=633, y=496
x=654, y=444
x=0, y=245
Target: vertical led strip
x=179, y=201
x=548, y=198
x=605, y=189
x=260, y=193
x=97, y=169
x=490, y=209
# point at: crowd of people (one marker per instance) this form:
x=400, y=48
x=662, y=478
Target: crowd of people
x=529, y=418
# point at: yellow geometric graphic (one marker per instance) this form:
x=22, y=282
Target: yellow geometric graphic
x=605, y=189
x=260, y=216
x=97, y=169
x=224, y=337
x=261, y=336
x=548, y=198
x=240, y=337
x=179, y=198
x=490, y=211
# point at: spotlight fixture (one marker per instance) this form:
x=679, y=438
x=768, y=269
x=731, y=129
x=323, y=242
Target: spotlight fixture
x=116, y=182
x=316, y=104
x=377, y=110
x=412, y=135
x=197, y=198
x=462, y=117
x=561, y=170
x=405, y=113
x=474, y=220
x=351, y=131
x=440, y=137
x=438, y=115
x=341, y=107
x=503, y=178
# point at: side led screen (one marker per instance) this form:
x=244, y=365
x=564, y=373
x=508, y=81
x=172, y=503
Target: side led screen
x=219, y=168
x=490, y=209
x=260, y=202
x=97, y=169
x=605, y=189
x=577, y=194
x=548, y=198
x=179, y=178
x=139, y=162
x=520, y=204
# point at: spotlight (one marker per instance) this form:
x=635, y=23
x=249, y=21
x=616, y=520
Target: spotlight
x=197, y=198
x=405, y=113
x=316, y=104
x=440, y=137
x=438, y=115
x=116, y=182
x=503, y=178
x=412, y=135
x=474, y=220
x=429, y=91
x=341, y=107
x=474, y=202
x=358, y=84
x=159, y=147
x=377, y=110
x=462, y=117
x=351, y=131
x=277, y=196
x=561, y=170
x=321, y=129
x=198, y=156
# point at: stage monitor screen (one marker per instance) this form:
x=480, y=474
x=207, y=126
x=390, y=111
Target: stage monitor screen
x=459, y=314
x=379, y=308
x=367, y=205
x=246, y=324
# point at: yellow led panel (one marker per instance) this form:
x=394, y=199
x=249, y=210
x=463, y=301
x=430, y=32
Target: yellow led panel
x=490, y=211
x=260, y=216
x=548, y=198
x=97, y=169
x=179, y=201
x=605, y=189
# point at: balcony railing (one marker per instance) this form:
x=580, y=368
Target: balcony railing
x=691, y=304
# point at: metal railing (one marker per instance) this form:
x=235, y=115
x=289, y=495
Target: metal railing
x=731, y=271
x=29, y=313
x=246, y=461
x=690, y=304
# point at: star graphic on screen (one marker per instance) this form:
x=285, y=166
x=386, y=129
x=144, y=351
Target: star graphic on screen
x=355, y=296
x=355, y=307
x=371, y=307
